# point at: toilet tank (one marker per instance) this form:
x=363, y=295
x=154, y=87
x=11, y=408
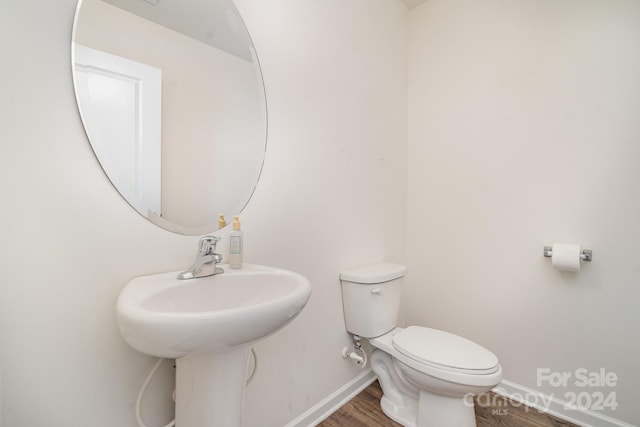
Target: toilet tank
x=371, y=298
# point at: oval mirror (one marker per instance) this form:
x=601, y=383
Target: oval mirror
x=172, y=100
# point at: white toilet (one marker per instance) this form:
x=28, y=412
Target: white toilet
x=428, y=376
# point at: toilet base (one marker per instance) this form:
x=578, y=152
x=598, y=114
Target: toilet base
x=444, y=411
x=432, y=411
x=402, y=415
x=411, y=406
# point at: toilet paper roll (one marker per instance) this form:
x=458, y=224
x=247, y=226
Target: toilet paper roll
x=566, y=257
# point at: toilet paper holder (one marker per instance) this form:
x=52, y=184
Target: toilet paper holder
x=586, y=255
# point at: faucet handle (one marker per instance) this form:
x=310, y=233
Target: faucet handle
x=207, y=244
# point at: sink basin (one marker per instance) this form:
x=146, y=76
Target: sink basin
x=162, y=316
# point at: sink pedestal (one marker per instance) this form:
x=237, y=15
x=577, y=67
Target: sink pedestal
x=210, y=388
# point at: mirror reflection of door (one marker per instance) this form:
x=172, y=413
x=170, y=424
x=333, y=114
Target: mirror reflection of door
x=121, y=106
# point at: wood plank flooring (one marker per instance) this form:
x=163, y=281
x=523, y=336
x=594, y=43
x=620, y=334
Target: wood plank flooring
x=494, y=411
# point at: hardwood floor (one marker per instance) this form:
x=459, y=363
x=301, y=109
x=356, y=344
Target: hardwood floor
x=361, y=411
x=492, y=411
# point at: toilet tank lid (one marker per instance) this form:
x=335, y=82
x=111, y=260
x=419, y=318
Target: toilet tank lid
x=374, y=273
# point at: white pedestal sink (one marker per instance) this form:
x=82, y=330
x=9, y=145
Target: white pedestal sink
x=207, y=325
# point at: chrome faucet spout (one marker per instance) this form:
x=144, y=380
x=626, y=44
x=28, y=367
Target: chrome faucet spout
x=206, y=260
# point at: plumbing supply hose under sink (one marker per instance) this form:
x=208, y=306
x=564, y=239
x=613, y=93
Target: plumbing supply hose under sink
x=143, y=389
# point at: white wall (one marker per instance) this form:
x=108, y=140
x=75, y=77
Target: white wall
x=331, y=197
x=332, y=194
x=523, y=131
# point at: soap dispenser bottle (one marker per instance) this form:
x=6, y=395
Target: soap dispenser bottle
x=235, y=244
x=222, y=223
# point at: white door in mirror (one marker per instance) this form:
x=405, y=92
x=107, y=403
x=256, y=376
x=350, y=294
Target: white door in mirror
x=121, y=108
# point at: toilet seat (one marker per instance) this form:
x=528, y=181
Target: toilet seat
x=488, y=377
x=443, y=350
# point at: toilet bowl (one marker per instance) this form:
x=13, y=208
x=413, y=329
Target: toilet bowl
x=419, y=392
x=428, y=376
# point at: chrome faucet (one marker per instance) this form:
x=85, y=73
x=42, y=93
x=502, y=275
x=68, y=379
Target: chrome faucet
x=206, y=260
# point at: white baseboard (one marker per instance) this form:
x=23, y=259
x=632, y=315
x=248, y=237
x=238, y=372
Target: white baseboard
x=556, y=407
x=335, y=400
